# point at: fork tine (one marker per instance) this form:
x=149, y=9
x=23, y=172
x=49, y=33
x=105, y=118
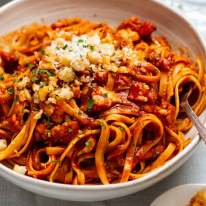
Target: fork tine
x=184, y=98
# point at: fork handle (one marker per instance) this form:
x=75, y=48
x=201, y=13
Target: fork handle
x=195, y=120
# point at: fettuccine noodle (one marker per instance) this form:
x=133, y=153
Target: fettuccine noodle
x=84, y=103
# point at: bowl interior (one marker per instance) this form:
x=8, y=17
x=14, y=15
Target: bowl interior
x=176, y=29
x=169, y=24
x=110, y=11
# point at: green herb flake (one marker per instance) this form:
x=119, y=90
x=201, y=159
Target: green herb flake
x=1, y=78
x=122, y=129
x=35, y=79
x=70, y=130
x=45, y=71
x=105, y=95
x=80, y=41
x=92, y=47
x=10, y=91
x=88, y=144
x=30, y=66
x=42, y=51
x=90, y=104
x=79, y=112
x=35, y=71
x=65, y=46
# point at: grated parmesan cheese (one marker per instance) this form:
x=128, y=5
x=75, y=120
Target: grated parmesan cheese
x=20, y=169
x=51, y=100
x=24, y=95
x=66, y=74
x=78, y=55
x=3, y=144
x=64, y=92
x=23, y=83
x=107, y=49
x=35, y=87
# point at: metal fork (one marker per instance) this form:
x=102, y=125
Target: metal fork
x=193, y=117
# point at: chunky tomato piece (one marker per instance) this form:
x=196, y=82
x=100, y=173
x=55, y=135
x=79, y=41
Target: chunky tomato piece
x=165, y=111
x=63, y=133
x=104, y=99
x=58, y=114
x=41, y=132
x=144, y=29
x=142, y=92
x=101, y=78
x=122, y=82
x=9, y=61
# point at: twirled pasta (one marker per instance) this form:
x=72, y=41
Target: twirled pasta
x=83, y=103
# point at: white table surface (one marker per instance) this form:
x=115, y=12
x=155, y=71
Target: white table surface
x=193, y=171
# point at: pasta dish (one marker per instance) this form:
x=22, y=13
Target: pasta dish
x=199, y=199
x=86, y=103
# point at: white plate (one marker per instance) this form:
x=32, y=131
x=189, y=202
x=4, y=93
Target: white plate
x=178, y=196
x=179, y=31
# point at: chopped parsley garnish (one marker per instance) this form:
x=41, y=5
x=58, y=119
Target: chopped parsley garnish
x=90, y=104
x=10, y=91
x=30, y=66
x=35, y=71
x=65, y=46
x=92, y=47
x=85, y=46
x=122, y=129
x=70, y=130
x=105, y=95
x=45, y=71
x=80, y=41
x=35, y=79
x=88, y=144
x=1, y=78
x=79, y=112
x=42, y=51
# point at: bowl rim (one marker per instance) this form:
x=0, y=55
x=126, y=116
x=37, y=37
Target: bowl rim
x=193, y=144
x=195, y=187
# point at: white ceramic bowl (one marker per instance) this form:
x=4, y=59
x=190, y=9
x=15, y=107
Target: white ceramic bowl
x=180, y=32
x=178, y=196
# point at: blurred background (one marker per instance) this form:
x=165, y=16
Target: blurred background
x=192, y=10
